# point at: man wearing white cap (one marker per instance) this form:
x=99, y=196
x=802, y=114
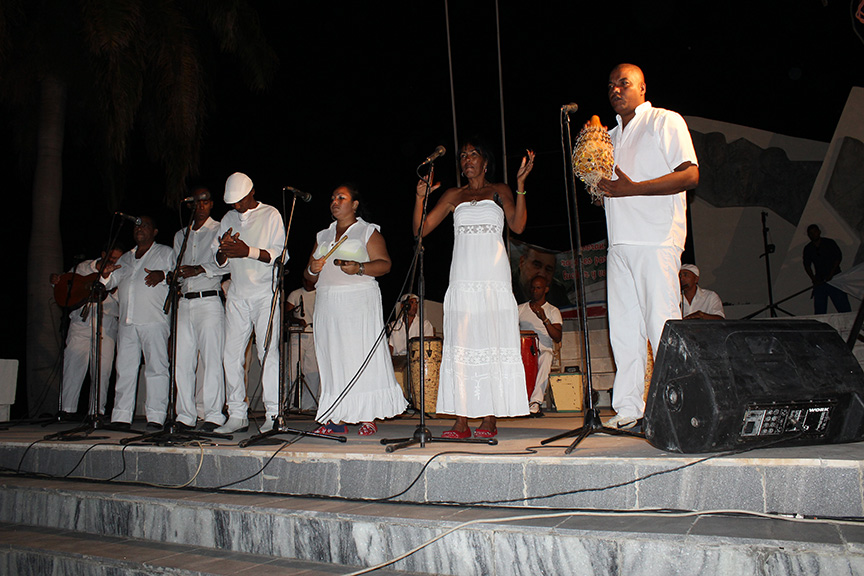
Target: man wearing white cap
x=698, y=302
x=251, y=238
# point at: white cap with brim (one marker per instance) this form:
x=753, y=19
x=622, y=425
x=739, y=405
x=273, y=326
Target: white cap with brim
x=237, y=187
x=691, y=268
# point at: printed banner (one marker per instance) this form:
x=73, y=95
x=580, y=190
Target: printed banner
x=528, y=261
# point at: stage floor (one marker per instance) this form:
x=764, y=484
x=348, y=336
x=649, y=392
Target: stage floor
x=609, y=472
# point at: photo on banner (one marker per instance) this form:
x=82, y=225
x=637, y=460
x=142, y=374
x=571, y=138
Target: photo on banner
x=529, y=260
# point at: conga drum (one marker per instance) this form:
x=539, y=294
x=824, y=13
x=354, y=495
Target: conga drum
x=530, y=357
x=431, y=367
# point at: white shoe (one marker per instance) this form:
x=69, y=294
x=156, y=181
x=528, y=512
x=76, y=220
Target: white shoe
x=268, y=424
x=621, y=422
x=233, y=425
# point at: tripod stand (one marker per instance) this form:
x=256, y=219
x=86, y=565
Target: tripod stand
x=591, y=423
x=422, y=435
x=279, y=426
x=298, y=382
x=171, y=432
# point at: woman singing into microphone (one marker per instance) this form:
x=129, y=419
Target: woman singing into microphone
x=481, y=369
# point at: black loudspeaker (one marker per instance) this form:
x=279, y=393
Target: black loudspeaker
x=727, y=384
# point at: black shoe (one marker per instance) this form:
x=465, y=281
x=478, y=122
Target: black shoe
x=122, y=426
x=181, y=427
x=208, y=426
x=64, y=416
x=154, y=426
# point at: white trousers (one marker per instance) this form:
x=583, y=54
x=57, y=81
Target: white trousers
x=200, y=340
x=643, y=293
x=544, y=364
x=132, y=340
x=308, y=366
x=78, y=356
x=241, y=317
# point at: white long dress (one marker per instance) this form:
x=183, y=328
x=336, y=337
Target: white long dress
x=347, y=325
x=481, y=365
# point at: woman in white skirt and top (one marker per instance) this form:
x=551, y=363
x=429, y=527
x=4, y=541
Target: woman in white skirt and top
x=481, y=366
x=357, y=380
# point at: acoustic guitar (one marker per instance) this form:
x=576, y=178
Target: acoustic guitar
x=73, y=290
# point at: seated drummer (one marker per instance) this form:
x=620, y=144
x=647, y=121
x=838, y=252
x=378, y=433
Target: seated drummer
x=405, y=326
x=543, y=319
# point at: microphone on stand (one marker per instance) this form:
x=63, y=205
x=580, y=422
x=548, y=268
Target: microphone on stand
x=197, y=197
x=569, y=108
x=304, y=196
x=439, y=151
x=135, y=219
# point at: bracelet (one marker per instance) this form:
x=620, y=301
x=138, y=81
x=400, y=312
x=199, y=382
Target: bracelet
x=309, y=270
x=547, y=321
x=253, y=253
x=521, y=193
x=362, y=269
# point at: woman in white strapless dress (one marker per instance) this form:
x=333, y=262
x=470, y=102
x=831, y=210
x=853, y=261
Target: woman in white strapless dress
x=481, y=366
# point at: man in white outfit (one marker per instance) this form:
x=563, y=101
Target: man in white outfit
x=655, y=164
x=251, y=238
x=80, y=342
x=201, y=319
x=544, y=319
x=698, y=302
x=141, y=289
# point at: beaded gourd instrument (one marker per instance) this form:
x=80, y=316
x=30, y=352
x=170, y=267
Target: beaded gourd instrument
x=593, y=157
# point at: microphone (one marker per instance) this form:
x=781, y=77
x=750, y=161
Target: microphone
x=570, y=108
x=304, y=196
x=439, y=151
x=197, y=197
x=135, y=219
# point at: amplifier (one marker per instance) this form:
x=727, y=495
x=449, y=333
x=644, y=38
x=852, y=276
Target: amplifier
x=724, y=385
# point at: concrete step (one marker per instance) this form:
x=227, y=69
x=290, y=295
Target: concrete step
x=38, y=550
x=67, y=527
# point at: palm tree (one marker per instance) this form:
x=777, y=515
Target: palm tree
x=102, y=69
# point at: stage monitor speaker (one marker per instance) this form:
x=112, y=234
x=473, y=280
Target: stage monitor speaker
x=726, y=384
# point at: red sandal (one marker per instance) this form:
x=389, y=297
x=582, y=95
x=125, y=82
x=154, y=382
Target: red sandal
x=332, y=429
x=367, y=429
x=455, y=434
x=480, y=433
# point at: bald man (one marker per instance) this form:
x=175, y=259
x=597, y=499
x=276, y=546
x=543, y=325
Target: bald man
x=645, y=202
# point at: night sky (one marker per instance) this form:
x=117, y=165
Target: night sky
x=363, y=94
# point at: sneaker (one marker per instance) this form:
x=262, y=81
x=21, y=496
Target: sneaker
x=534, y=410
x=233, y=425
x=268, y=425
x=621, y=422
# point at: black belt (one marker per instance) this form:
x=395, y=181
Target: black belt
x=204, y=294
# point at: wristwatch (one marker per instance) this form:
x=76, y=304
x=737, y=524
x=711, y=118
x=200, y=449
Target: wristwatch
x=362, y=269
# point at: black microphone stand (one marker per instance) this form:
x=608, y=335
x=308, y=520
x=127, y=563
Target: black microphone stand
x=279, y=426
x=170, y=433
x=95, y=419
x=591, y=423
x=422, y=435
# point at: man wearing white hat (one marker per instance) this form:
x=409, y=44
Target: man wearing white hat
x=251, y=238
x=698, y=302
